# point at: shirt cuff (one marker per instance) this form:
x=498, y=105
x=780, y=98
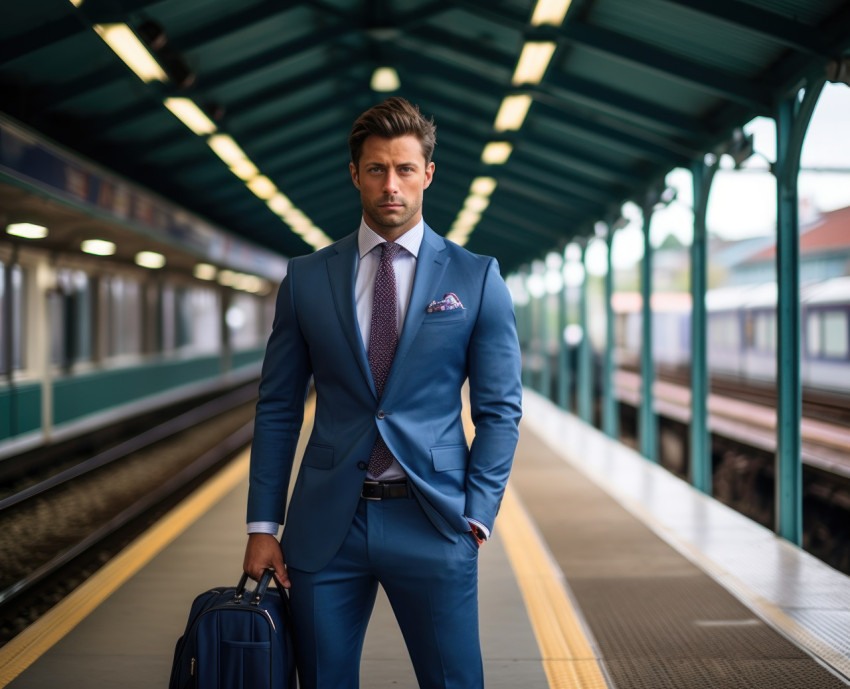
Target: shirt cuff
x=481, y=526
x=263, y=527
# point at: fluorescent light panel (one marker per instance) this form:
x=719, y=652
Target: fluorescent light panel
x=205, y=271
x=27, y=230
x=483, y=186
x=150, y=259
x=98, y=247
x=129, y=48
x=226, y=149
x=244, y=170
x=533, y=62
x=262, y=187
x=191, y=115
x=385, y=79
x=512, y=113
x=550, y=12
x=497, y=153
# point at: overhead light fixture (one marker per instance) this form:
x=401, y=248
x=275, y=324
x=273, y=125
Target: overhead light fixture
x=191, y=115
x=98, y=247
x=150, y=259
x=205, y=271
x=476, y=203
x=532, y=63
x=497, y=152
x=132, y=51
x=226, y=149
x=27, y=230
x=550, y=12
x=279, y=203
x=244, y=170
x=385, y=79
x=76, y=3
x=262, y=187
x=483, y=186
x=512, y=113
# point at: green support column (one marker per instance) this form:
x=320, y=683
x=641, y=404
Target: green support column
x=648, y=430
x=700, y=465
x=585, y=358
x=610, y=405
x=545, y=380
x=792, y=120
x=563, y=352
x=523, y=322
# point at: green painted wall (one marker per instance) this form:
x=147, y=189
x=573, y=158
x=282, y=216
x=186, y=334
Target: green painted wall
x=90, y=393
x=20, y=410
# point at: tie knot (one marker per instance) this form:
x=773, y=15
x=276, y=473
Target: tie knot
x=389, y=250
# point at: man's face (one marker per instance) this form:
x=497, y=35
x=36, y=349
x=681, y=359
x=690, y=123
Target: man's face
x=392, y=176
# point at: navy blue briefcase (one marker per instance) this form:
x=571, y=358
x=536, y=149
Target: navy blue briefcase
x=236, y=640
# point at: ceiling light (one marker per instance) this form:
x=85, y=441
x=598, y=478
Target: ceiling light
x=27, y=230
x=129, y=48
x=98, y=247
x=226, y=149
x=150, y=259
x=244, y=169
x=533, y=62
x=76, y=3
x=483, y=186
x=227, y=278
x=205, y=271
x=476, y=203
x=385, y=79
x=512, y=113
x=191, y=115
x=550, y=12
x=263, y=187
x=468, y=217
x=497, y=153
x=279, y=203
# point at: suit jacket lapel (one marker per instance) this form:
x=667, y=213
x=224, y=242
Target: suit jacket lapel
x=341, y=273
x=430, y=266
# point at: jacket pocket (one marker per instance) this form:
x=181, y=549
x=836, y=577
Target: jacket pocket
x=449, y=457
x=445, y=317
x=319, y=457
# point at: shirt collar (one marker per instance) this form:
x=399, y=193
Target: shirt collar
x=368, y=239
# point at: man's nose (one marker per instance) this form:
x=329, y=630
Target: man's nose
x=391, y=182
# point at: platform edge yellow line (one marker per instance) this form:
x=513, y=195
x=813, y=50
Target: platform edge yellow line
x=24, y=649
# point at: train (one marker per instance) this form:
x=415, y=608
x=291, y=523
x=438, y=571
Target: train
x=114, y=302
x=741, y=333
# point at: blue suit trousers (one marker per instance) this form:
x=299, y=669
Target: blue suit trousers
x=430, y=581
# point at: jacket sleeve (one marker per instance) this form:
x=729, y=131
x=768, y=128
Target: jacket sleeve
x=495, y=393
x=280, y=409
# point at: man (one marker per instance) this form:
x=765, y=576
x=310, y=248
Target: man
x=390, y=322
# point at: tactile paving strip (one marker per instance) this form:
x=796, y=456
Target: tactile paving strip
x=659, y=622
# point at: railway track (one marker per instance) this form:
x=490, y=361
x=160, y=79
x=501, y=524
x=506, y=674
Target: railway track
x=57, y=528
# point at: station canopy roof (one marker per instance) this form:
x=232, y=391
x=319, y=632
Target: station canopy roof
x=631, y=89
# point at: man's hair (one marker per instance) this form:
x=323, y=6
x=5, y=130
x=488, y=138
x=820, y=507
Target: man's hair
x=393, y=118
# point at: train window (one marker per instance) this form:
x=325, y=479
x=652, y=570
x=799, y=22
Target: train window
x=71, y=318
x=764, y=332
x=123, y=307
x=197, y=319
x=813, y=334
x=12, y=315
x=835, y=334
x=245, y=321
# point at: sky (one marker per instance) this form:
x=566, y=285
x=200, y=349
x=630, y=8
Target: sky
x=743, y=202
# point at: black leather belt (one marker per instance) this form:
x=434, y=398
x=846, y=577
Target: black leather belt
x=382, y=490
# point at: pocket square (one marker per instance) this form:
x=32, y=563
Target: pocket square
x=450, y=302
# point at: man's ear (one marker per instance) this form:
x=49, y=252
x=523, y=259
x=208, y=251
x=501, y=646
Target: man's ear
x=429, y=174
x=355, y=177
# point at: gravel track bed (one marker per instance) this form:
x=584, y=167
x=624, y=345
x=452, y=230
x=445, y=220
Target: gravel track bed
x=34, y=532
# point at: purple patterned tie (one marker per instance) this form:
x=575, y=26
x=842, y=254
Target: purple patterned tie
x=382, y=343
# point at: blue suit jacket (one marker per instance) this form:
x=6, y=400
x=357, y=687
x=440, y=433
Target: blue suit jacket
x=316, y=334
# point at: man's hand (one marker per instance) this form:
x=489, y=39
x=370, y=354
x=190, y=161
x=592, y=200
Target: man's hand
x=263, y=552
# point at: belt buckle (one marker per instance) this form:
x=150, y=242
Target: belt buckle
x=370, y=483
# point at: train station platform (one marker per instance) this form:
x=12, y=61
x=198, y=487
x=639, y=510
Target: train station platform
x=603, y=571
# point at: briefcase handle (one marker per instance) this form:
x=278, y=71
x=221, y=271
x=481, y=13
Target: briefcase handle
x=259, y=592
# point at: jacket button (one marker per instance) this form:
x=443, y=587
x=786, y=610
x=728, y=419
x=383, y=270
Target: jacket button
x=381, y=414
x=362, y=465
